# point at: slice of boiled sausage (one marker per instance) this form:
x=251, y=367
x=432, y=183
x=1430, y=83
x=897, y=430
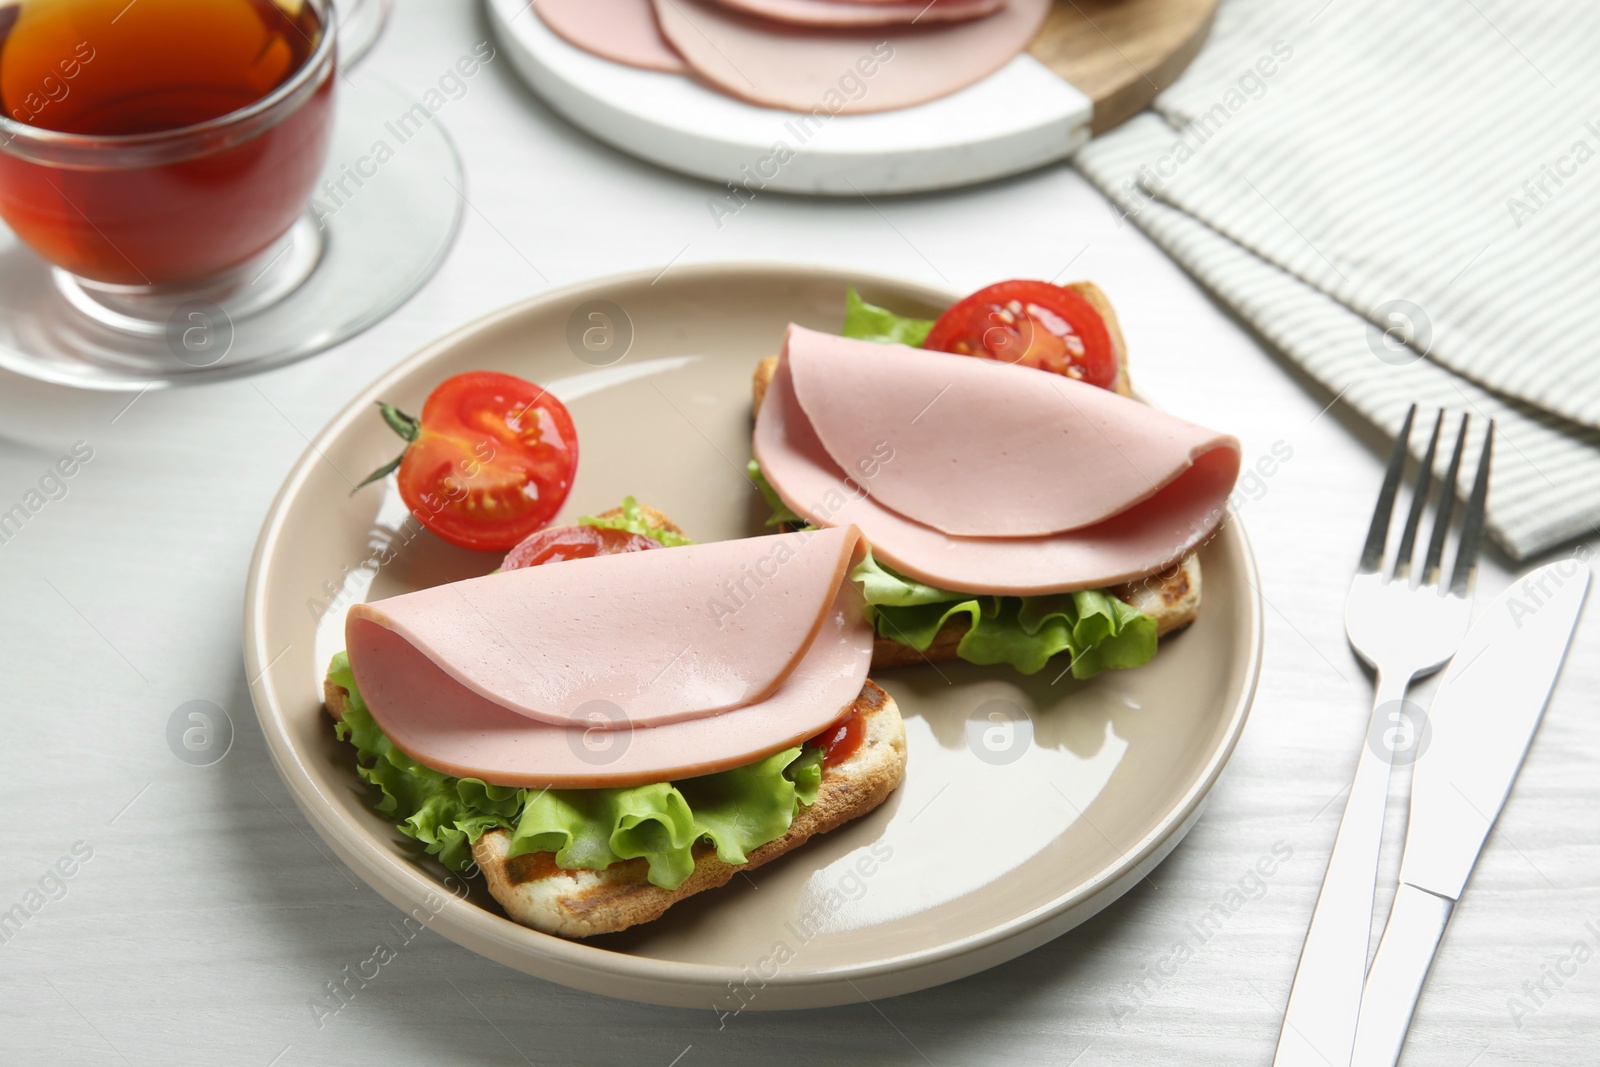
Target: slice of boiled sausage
x=854, y=13
x=844, y=71
x=621, y=30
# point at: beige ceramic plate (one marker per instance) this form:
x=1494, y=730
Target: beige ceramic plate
x=1029, y=803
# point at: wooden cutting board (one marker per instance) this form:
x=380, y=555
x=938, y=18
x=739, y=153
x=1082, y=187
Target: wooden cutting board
x=1093, y=65
x=1121, y=53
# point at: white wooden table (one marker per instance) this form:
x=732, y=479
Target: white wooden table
x=207, y=915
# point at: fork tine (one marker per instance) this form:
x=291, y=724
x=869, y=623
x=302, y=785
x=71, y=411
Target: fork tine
x=1419, y=501
x=1378, y=534
x=1472, y=529
x=1447, y=503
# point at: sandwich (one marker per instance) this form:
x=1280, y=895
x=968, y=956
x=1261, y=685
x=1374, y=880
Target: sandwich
x=1020, y=506
x=602, y=728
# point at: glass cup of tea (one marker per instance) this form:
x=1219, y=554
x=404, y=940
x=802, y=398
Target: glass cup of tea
x=160, y=153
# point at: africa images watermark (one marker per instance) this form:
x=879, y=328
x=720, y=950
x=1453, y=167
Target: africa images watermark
x=55, y=87
x=1247, y=888
x=51, y=486
x=1537, y=192
x=339, y=992
x=740, y=592
x=385, y=543
x=847, y=888
x=51, y=886
x=1250, y=487
x=200, y=732
x=1531, y=595
x=336, y=192
x=754, y=177
x=1144, y=186
x=1554, y=975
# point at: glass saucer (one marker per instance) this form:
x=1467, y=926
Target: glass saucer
x=379, y=224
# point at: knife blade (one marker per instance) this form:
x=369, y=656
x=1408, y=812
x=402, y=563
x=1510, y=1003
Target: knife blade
x=1477, y=734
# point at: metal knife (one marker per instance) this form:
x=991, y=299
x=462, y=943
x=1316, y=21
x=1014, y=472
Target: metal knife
x=1477, y=735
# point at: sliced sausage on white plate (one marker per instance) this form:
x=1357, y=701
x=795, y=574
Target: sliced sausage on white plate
x=844, y=71
x=848, y=13
x=621, y=30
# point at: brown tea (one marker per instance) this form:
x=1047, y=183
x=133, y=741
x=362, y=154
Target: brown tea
x=115, y=68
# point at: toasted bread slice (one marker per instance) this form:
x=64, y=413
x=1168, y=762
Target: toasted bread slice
x=1172, y=596
x=1100, y=302
x=537, y=893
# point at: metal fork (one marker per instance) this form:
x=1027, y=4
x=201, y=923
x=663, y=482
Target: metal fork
x=1405, y=626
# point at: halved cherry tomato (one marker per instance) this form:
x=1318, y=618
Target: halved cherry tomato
x=574, y=542
x=490, y=461
x=1035, y=324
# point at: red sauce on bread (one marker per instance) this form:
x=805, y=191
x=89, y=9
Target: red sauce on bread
x=840, y=741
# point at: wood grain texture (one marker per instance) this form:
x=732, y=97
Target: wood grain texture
x=1122, y=53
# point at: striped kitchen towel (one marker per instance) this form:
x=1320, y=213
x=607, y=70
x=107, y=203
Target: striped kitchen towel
x=1403, y=196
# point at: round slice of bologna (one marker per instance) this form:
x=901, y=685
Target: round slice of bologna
x=624, y=31
x=850, y=13
x=826, y=71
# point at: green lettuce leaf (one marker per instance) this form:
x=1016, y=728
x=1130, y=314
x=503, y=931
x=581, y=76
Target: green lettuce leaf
x=633, y=520
x=447, y=815
x=590, y=829
x=868, y=322
x=736, y=810
x=781, y=512
x=1100, y=631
